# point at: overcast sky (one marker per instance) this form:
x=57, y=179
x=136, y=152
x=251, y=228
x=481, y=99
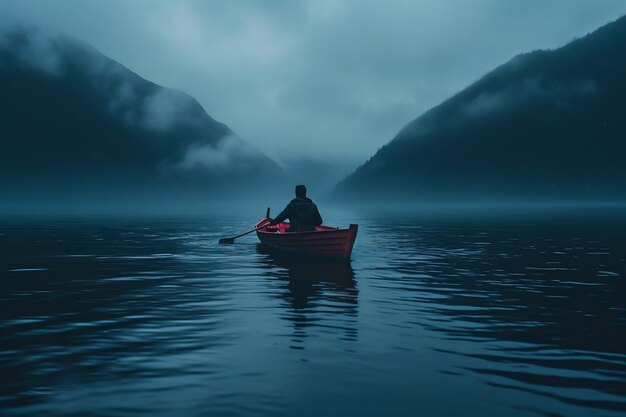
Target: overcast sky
x=317, y=78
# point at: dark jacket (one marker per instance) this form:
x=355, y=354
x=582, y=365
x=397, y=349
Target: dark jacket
x=302, y=214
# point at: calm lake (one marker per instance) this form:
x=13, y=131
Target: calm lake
x=447, y=315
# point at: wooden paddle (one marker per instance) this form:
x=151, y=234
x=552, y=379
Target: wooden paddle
x=232, y=239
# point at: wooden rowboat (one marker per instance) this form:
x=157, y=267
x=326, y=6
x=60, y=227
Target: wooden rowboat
x=327, y=242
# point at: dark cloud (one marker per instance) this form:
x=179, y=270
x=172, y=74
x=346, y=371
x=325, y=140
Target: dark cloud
x=302, y=79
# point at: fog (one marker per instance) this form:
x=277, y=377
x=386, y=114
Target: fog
x=302, y=79
x=316, y=86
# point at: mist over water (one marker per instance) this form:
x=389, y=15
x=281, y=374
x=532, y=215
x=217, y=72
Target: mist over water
x=489, y=272
x=517, y=313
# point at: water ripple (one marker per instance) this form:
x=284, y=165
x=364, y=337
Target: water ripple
x=153, y=317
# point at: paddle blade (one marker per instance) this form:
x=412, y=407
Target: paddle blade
x=232, y=239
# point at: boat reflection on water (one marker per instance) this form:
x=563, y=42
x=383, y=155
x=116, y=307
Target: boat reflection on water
x=318, y=293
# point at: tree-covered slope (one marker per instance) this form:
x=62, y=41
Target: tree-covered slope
x=545, y=125
x=74, y=124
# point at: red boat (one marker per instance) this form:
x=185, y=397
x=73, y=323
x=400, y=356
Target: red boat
x=327, y=242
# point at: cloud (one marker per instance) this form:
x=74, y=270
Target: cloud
x=123, y=103
x=35, y=48
x=230, y=154
x=534, y=90
x=48, y=51
x=166, y=108
x=311, y=77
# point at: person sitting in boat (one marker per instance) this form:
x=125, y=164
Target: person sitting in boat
x=302, y=213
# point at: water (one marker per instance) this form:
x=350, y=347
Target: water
x=437, y=316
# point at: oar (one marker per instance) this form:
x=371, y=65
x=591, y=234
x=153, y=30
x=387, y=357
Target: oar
x=232, y=239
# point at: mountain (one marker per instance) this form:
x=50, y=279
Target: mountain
x=547, y=125
x=76, y=125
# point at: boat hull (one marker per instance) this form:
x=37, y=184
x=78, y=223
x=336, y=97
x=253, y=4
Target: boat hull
x=326, y=242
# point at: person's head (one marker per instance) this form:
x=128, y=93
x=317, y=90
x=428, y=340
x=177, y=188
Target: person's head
x=300, y=191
